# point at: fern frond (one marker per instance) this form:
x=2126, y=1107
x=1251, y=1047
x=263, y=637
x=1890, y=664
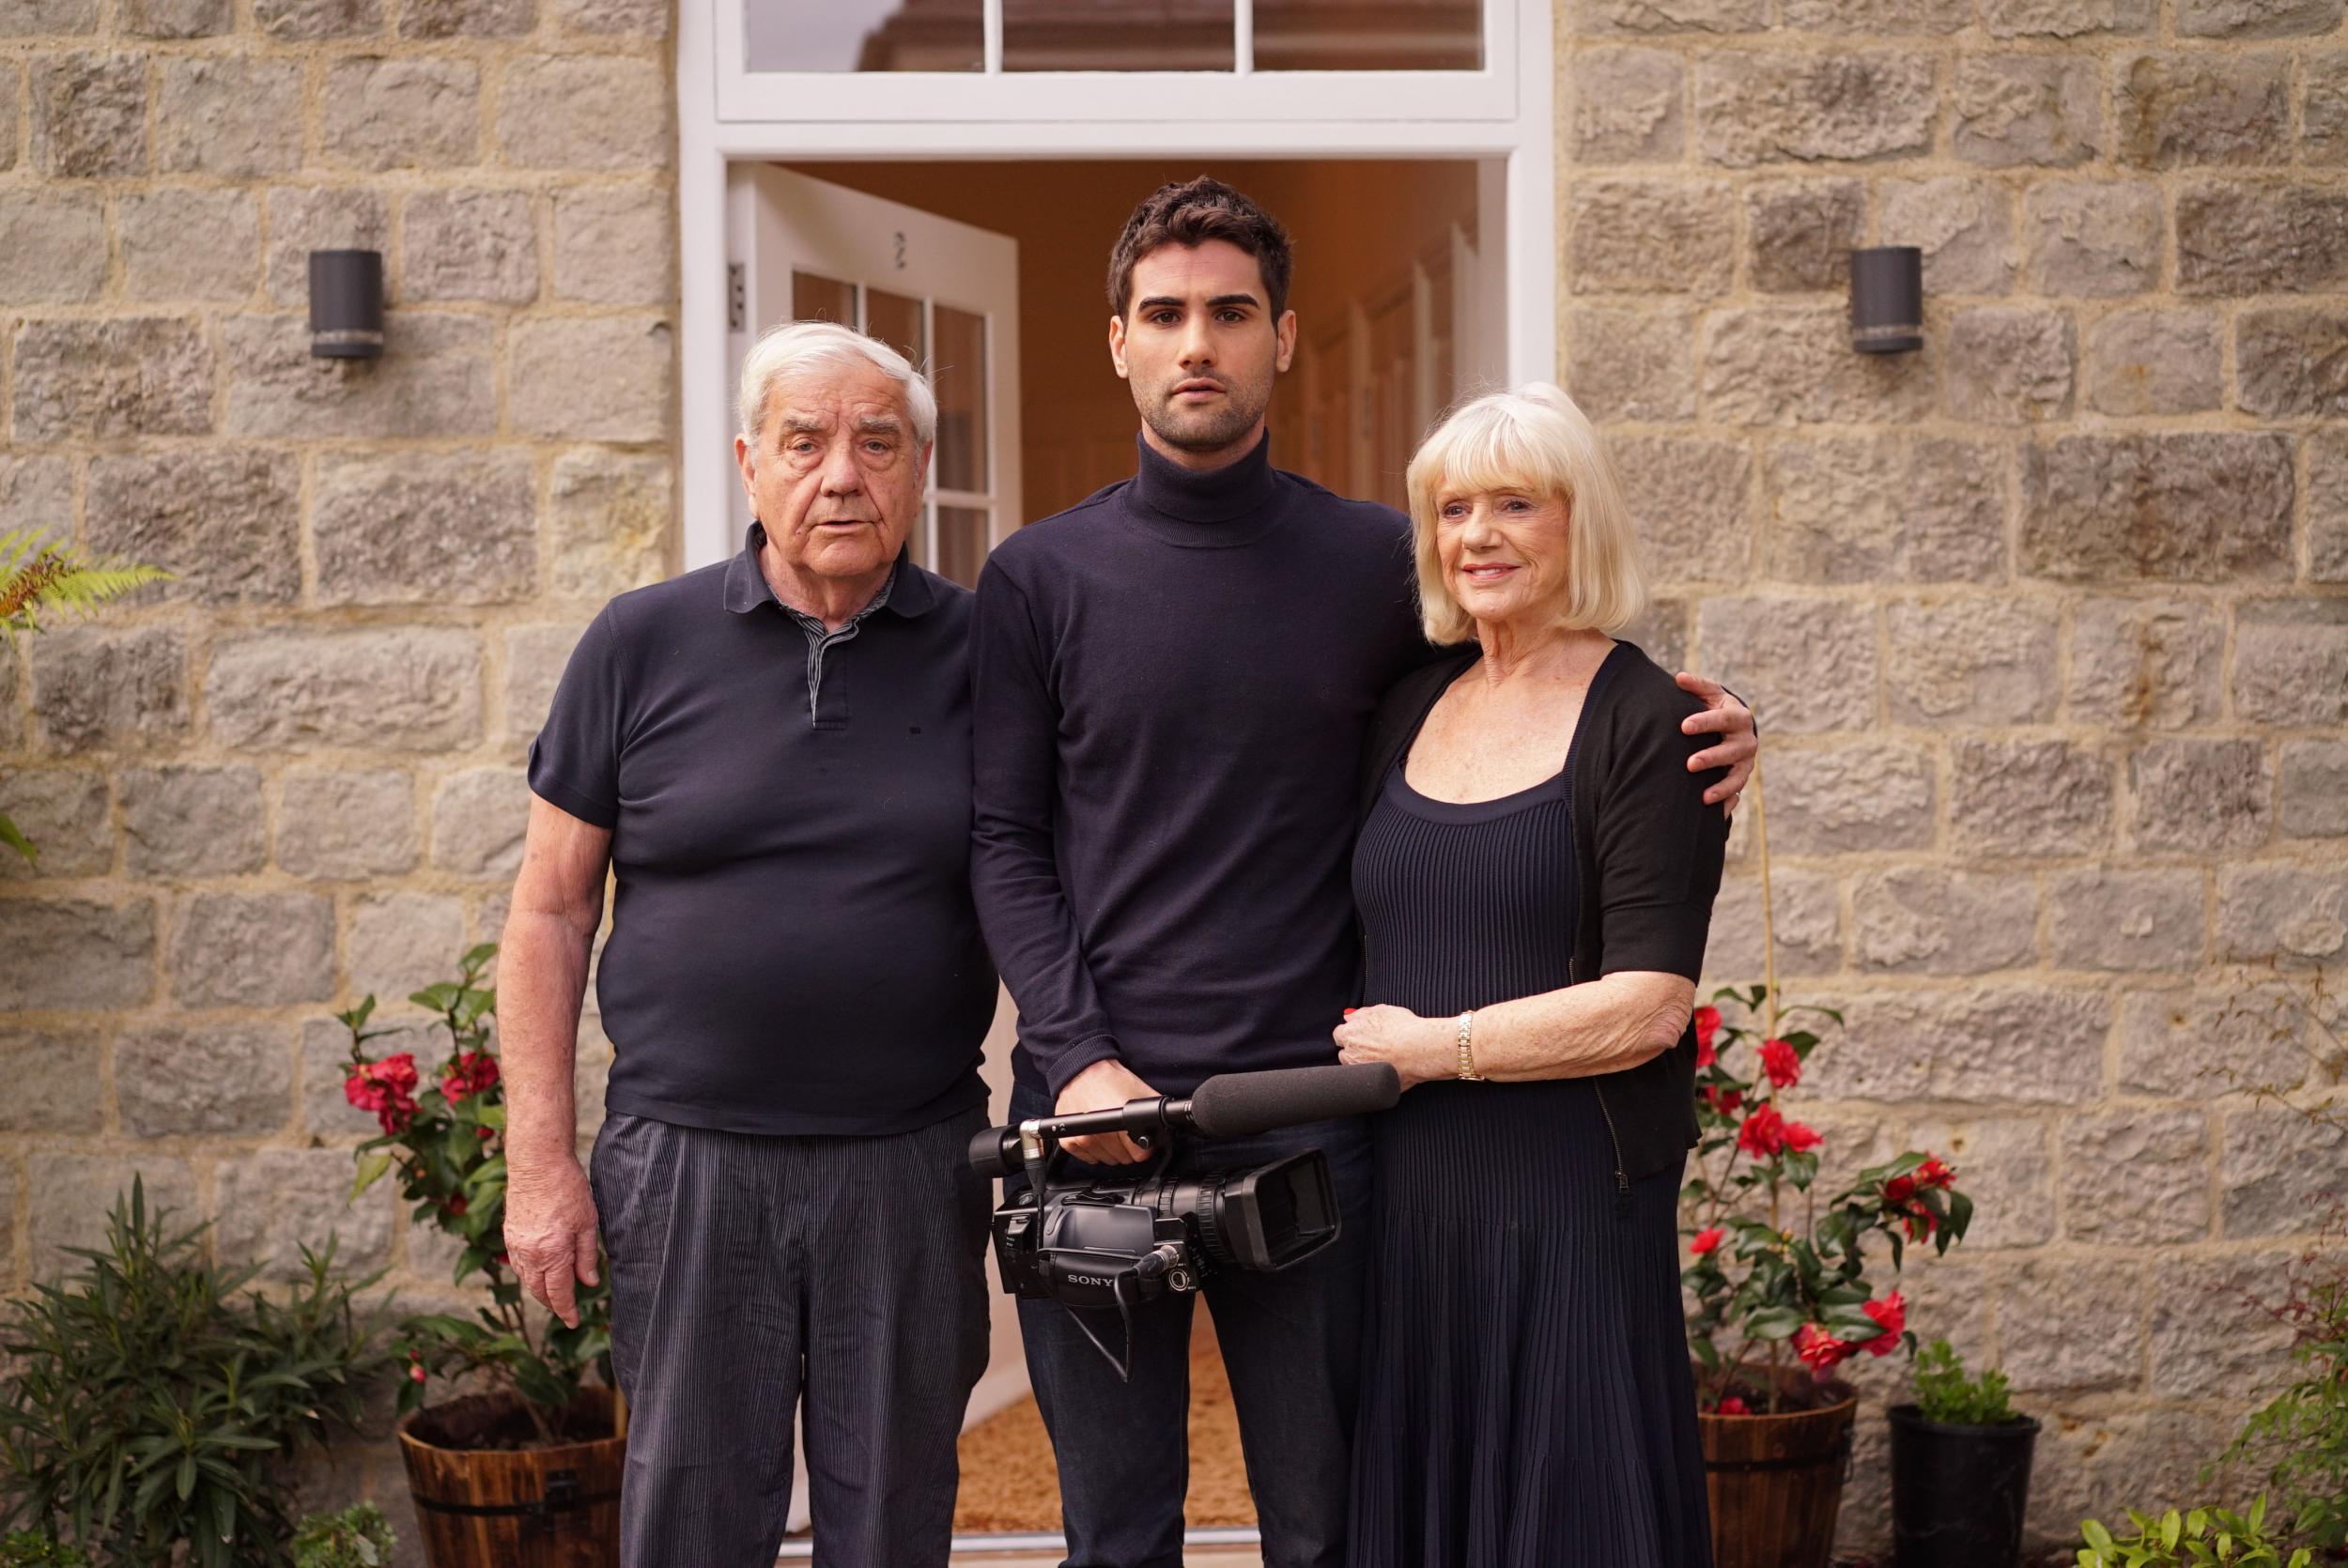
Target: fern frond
x=36, y=575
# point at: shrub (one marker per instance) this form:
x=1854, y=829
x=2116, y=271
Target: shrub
x=1944, y=1393
x=29, y=1548
x=2205, y=1535
x=358, y=1537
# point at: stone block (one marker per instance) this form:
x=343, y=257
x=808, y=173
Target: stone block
x=2323, y=110
x=224, y=521
x=1884, y=508
x=1660, y=632
x=2182, y=110
x=128, y=375
x=439, y=382
x=1853, y=105
x=2125, y=921
x=1793, y=364
x=478, y=817
x=2095, y=238
x=2094, y=1466
x=175, y=19
x=640, y=18
x=2027, y=798
x=11, y=98
x=593, y=380
x=457, y=528
x=234, y=118
x=2201, y=795
x=55, y=241
x=2156, y=361
x=2292, y=362
x=77, y=1192
x=1962, y=226
x=75, y=955
x=584, y=112
x=2003, y=1164
x=470, y=245
x=2212, y=1339
x=306, y=20
x=2145, y=662
x=611, y=518
x=1874, y=18
x=2314, y=789
x=89, y=115
x=2026, y=110
x=346, y=825
x=326, y=1110
x=274, y=1202
x=302, y=219
x=2293, y=916
x=253, y=949
x=54, y=1083
x=401, y=943
x=36, y=494
x=1923, y=920
x=2182, y=506
x=1627, y=106
x=1850, y=800
x=2327, y=505
x=2035, y=1045
x=1649, y=237
x=116, y=688
x=1691, y=501
x=1630, y=364
x=615, y=244
x=2291, y=661
x=535, y=657
x=2064, y=18
x=1972, y=661
x=1806, y=916
x=34, y=18
x=1672, y=16
x=407, y=113
x=1799, y=234
x=416, y=689
x=233, y=1080
x=454, y=19
x=2215, y=1039
x=2278, y=1170
x=1806, y=665
x=2071, y=1329
x=180, y=244
x=2257, y=19
x=2236, y=238
x=192, y=821
x=2011, y=364
x=65, y=812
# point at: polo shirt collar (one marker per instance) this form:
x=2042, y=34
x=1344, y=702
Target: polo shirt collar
x=909, y=590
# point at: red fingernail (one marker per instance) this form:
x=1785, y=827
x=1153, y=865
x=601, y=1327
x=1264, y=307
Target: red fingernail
x=1350, y=1011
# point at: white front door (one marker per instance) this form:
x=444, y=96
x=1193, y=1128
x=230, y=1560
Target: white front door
x=945, y=294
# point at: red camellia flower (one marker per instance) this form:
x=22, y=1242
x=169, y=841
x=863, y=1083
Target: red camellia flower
x=1731, y=1405
x=1763, y=1133
x=387, y=1088
x=1707, y=1023
x=1801, y=1139
x=1724, y=1103
x=1819, y=1350
x=1706, y=1240
x=416, y=1373
x=471, y=1073
x=1780, y=1062
x=1933, y=1174
x=1892, y=1314
x=455, y=1208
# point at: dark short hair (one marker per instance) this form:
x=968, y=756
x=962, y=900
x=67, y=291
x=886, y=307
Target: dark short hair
x=1191, y=213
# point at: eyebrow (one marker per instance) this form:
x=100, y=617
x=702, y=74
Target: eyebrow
x=1217, y=302
x=880, y=424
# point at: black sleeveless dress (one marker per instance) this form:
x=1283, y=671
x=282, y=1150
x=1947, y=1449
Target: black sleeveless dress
x=1526, y=1400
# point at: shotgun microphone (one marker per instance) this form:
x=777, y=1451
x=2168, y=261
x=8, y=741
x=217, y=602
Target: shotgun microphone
x=1229, y=1105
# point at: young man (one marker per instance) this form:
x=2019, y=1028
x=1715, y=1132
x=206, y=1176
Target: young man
x=1170, y=684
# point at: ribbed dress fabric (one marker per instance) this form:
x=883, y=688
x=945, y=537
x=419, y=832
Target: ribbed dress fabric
x=1526, y=1400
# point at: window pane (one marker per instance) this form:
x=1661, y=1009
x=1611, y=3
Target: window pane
x=1369, y=35
x=864, y=35
x=820, y=299
x=960, y=377
x=896, y=321
x=1130, y=35
x=962, y=542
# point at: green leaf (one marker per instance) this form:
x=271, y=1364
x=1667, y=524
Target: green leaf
x=15, y=839
x=371, y=1169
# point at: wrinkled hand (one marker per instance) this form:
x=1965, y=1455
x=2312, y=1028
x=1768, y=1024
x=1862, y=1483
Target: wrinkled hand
x=551, y=1229
x=1418, y=1049
x=1106, y=1086
x=1724, y=717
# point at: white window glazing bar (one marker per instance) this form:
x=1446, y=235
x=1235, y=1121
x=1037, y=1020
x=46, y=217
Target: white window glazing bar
x=1243, y=37
x=991, y=60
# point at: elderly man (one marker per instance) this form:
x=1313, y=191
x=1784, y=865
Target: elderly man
x=773, y=758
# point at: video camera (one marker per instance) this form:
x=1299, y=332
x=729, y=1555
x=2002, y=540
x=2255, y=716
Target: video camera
x=1120, y=1241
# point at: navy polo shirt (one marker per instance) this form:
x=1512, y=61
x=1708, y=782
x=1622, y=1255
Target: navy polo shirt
x=792, y=945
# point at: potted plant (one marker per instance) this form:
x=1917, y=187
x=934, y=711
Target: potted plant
x=524, y=1471
x=1960, y=1467
x=1780, y=1287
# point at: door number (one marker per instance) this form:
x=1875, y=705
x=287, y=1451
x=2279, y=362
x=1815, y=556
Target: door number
x=901, y=250
x=737, y=297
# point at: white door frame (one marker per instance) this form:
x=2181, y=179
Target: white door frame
x=1516, y=130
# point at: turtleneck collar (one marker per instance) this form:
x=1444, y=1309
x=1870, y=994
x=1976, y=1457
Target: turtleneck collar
x=1237, y=491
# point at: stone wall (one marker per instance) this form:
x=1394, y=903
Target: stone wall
x=2048, y=625
x=291, y=776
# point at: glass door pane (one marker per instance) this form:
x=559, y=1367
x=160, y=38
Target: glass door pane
x=960, y=377
x=1129, y=35
x=1371, y=35
x=814, y=297
x=897, y=322
x=963, y=541
x=864, y=35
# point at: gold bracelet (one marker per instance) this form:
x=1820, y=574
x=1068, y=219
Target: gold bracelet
x=1467, y=1048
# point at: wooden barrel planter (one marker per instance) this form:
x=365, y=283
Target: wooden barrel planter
x=514, y=1508
x=1776, y=1482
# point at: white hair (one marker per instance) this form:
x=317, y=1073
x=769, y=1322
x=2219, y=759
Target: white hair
x=800, y=345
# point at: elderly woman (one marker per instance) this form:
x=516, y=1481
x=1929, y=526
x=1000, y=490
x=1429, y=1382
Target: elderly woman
x=1535, y=874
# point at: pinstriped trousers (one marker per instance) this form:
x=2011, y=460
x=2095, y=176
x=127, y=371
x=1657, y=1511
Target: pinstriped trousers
x=751, y=1275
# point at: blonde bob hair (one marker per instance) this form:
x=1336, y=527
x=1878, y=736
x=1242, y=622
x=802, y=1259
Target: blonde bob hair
x=797, y=346
x=1536, y=441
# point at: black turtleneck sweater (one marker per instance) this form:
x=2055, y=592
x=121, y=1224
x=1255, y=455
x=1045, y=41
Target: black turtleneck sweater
x=1171, y=682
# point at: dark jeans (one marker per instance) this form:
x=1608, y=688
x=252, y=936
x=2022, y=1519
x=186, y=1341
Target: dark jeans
x=1292, y=1343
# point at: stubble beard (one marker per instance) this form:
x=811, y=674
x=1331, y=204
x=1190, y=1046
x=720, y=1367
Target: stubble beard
x=1207, y=430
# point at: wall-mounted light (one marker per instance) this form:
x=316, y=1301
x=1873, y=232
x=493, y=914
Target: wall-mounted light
x=346, y=304
x=1887, y=299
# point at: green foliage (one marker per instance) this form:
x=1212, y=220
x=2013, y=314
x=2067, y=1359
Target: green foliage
x=154, y=1397
x=29, y=1548
x=1944, y=1393
x=2305, y=1428
x=2204, y=1535
x=358, y=1537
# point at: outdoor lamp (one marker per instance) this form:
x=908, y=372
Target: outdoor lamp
x=346, y=304
x=1887, y=299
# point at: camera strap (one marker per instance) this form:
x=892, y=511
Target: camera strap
x=1124, y=1365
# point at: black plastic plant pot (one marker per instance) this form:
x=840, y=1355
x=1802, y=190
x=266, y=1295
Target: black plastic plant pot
x=1958, y=1493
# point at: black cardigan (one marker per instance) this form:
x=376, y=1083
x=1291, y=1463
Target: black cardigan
x=1650, y=854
